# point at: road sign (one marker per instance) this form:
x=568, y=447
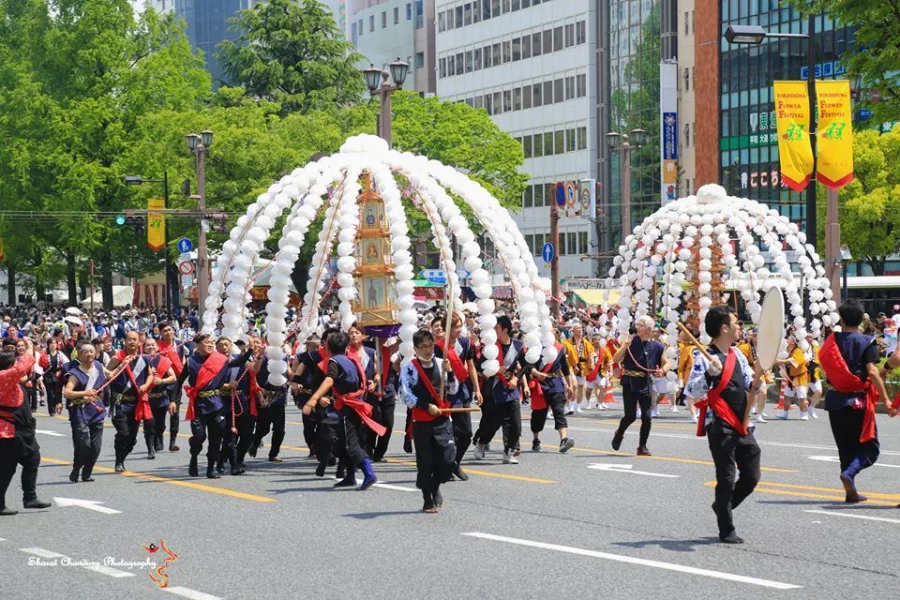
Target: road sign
x=185, y=245
x=433, y=274
x=187, y=281
x=438, y=280
x=560, y=194
x=548, y=252
x=186, y=268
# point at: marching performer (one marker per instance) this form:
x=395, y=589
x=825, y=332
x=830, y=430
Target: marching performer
x=176, y=354
x=462, y=362
x=306, y=379
x=420, y=380
x=641, y=358
x=130, y=406
x=748, y=349
x=599, y=379
x=796, y=366
x=160, y=375
x=387, y=398
x=727, y=383
x=551, y=384
x=814, y=393
x=685, y=364
x=853, y=384
x=580, y=353
x=84, y=378
x=272, y=402
x=240, y=408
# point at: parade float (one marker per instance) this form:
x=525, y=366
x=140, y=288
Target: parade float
x=361, y=196
x=710, y=249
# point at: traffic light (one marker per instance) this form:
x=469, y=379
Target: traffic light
x=139, y=224
x=219, y=222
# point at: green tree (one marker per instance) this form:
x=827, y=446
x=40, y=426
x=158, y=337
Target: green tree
x=875, y=56
x=870, y=204
x=292, y=53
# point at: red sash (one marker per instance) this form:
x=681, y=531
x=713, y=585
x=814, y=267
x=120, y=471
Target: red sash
x=169, y=351
x=720, y=407
x=538, y=401
x=456, y=364
x=843, y=380
x=501, y=358
x=213, y=365
x=142, y=410
x=420, y=414
x=355, y=401
x=324, y=357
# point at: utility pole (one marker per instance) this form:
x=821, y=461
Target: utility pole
x=554, y=263
x=202, y=251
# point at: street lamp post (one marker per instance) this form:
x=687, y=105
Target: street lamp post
x=846, y=257
x=626, y=144
x=198, y=145
x=377, y=82
x=171, y=277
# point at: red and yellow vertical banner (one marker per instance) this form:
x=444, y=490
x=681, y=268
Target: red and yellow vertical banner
x=834, y=143
x=156, y=224
x=792, y=119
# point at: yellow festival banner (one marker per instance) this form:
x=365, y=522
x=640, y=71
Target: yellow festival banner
x=792, y=119
x=156, y=224
x=834, y=166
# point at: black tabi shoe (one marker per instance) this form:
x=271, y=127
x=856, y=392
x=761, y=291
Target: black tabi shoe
x=320, y=470
x=120, y=467
x=173, y=447
x=237, y=470
x=252, y=450
x=220, y=468
x=211, y=473
x=438, y=498
x=407, y=445
x=332, y=460
x=460, y=474
x=731, y=538
x=536, y=445
x=158, y=445
x=193, y=471
x=151, y=454
x=7, y=512
x=617, y=442
x=87, y=479
x=73, y=476
x=346, y=482
x=35, y=503
x=275, y=459
x=429, y=506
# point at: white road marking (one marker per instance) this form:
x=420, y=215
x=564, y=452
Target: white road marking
x=627, y=469
x=399, y=488
x=640, y=561
x=834, y=513
x=189, y=593
x=837, y=459
x=42, y=553
x=48, y=432
x=94, y=505
x=109, y=571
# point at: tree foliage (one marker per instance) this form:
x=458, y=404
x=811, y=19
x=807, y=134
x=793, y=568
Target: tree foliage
x=292, y=53
x=870, y=204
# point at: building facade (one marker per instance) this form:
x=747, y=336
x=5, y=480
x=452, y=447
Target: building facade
x=531, y=65
x=384, y=30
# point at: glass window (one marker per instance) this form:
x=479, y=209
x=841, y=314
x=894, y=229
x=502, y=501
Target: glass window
x=559, y=146
x=488, y=104
x=485, y=10
x=507, y=51
x=526, y=148
x=479, y=101
x=536, y=44
x=409, y=11
x=459, y=16
x=538, y=152
x=451, y=66
x=572, y=241
x=459, y=63
x=570, y=140
x=526, y=97
x=495, y=8
x=548, y=92
x=486, y=51
x=383, y=19
x=582, y=138
x=371, y=23
x=558, y=39
x=687, y=22
x=517, y=49
x=529, y=237
x=581, y=85
x=476, y=11
x=506, y=7
x=536, y=95
x=580, y=32
x=549, y=193
x=442, y=22
x=516, y=4
x=477, y=54
x=396, y=15
x=470, y=62
x=443, y=67
x=570, y=35
x=570, y=87
x=467, y=14
x=549, y=149
x=507, y=101
x=526, y=3
x=563, y=251
x=498, y=59
x=558, y=95
x=548, y=41
x=498, y=106
x=526, y=47
x=517, y=98
x=582, y=242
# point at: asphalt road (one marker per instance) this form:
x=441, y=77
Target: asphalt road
x=587, y=524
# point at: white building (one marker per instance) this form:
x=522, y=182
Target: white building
x=531, y=64
x=384, y=30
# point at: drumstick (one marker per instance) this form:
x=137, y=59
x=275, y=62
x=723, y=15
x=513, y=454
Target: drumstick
x=700, y=347
x=461, y=410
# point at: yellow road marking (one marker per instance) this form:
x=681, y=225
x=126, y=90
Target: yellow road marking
x=690, y=461
x=178, y=482
x=482, y=473
x=834, y=495
x=831, y=490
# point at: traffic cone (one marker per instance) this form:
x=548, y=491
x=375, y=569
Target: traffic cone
x=781, y=395
x=608, y=398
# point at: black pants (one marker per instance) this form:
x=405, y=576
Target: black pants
x=506, y=415
x=214, y=426
x=631, y=400
x=328, y=434
x=126, y=431
x=846, y=427
x=310, y=422
x=235, y=446
x=87, y=439
x=352, y=437
x=31, y=396
x=159, y=424
x=462, y=432
x=732, y=452
x=382, y=413
x=271, y=418
x=174, y=396
x=54, y=397
x=19, y=451
x=555, y=403
x=435, y=452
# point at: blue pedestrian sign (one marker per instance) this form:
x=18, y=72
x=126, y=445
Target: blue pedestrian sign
x=548, y=252
x=185, y=245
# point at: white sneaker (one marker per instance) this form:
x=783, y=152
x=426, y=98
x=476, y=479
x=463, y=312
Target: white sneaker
x=587, y=406
x=804, y=416
x=760, y=419
x=654, y=413
x=782, y=414
x=764, y=415
x=693, y=418
x=812, y=412
x=509, y=459
x=752, y=412
x=578, y=409
x=479, y=451
x=603, y=406
x=674, y=409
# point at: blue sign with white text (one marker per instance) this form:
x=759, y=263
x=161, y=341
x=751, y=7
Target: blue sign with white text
x=670, y=135
x=547, y=252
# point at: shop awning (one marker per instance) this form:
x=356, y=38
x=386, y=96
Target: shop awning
x=596, y=297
